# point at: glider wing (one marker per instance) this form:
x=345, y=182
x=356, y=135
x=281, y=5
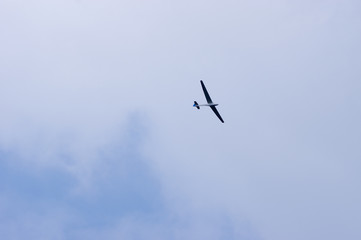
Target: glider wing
x=209, y=100
x=217, y=113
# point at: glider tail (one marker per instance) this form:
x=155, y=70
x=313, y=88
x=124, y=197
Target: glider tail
x=196, y=105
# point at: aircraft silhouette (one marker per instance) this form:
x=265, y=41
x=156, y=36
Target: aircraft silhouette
x=210, y=103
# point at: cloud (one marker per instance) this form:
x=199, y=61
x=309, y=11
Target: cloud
x=119, y=184
x=122, y=198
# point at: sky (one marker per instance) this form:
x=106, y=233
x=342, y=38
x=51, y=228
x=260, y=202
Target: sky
x=99, y=139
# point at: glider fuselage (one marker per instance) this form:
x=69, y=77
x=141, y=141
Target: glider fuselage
x=206, y=105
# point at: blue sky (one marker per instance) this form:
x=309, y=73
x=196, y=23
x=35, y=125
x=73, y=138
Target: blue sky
x=99, y=139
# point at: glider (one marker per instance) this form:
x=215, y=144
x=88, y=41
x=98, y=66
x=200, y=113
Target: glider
x=210, y=102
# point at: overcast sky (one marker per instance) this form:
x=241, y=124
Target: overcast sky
x=99, y=139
